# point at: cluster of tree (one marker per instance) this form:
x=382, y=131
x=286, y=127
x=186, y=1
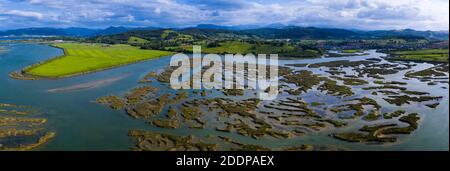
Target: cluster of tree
x=286, y=42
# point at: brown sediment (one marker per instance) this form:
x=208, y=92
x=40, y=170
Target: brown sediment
x=147, y=78
x=42, y=140
x=35, y=121
x=164, y=77
x=372, y=135
x=437, y=71
x=393, y=114
x=193, y=117
x=13, y=112
x=21, y=129
x=390, y=82
x=151, y=141
x=251, y=147
x=306, y=80
x=387, y=92
x=172, y=113
x=385, y=87
x=415, y=92
x=334, y=72
x=405, y=99
x=378, y=133
x=137, y=94
x=179, y=96
x=303, y=79
x=372, y=116
x=148, y=109
x=376, y=76
x=20, y=75
x=114, y=102
x=282, y=71
x=15, y=132
x=412, y=120
x=332, y=88
x=166, y=123
x=314, y=104
x=340, y=63
x=262, y=130
x=432, y=83
x=233, y=92
x=358, y=107
x=434, y=105
x=376, y=71
x=351, y=81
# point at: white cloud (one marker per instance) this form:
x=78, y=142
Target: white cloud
x=20, y=13
x=360, y=14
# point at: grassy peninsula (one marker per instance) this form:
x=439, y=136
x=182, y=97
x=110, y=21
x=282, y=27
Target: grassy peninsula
x=82, y=58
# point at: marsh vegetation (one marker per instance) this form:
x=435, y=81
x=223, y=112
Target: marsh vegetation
x=20, y=130
x=293, y=114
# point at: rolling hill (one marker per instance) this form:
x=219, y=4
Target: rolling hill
x=288, y=32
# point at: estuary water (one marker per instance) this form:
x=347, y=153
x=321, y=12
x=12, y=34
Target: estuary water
x=82, y=124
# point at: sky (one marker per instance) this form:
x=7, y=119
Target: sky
x=349, y=14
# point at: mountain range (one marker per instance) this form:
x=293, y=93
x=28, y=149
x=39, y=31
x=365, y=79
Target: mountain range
x=275, y=31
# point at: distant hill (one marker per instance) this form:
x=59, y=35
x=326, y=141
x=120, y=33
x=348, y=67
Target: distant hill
x=293, y=32
x=212, y=26
x=235, y=28
x=275, y=31
x=279, y=31
x=438, y=35
x=118, y=30
x=112, y=30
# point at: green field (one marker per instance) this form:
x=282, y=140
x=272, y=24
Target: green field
x=85, y=58
x=136, y=40
x=426, y=55
x=269, y=49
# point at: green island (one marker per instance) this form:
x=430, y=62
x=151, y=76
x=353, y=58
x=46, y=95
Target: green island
x=83, y=58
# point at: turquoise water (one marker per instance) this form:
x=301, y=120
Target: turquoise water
x=81, y=124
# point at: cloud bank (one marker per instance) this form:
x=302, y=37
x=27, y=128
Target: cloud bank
x=353, y=14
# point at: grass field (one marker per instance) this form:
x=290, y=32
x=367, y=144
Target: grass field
x=427, y=55
x=85, y=58
x=136, y=40
x=269, y=49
